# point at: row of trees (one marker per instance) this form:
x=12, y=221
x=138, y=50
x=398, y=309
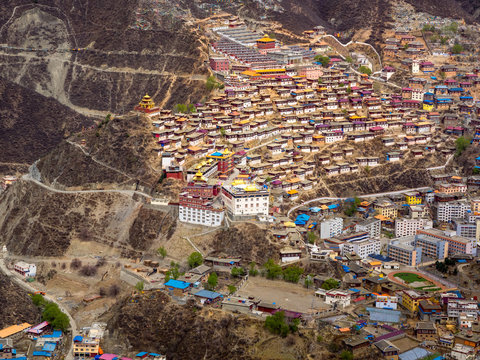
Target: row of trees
x=51, y=313
x=184, y=109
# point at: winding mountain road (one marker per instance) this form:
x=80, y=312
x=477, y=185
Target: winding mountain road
x=360, y=196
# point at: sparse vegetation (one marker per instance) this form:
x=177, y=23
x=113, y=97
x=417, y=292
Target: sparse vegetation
x=252, y=271
x=140, y=285
x=162, y=252
x=457, y=49
x=311, y=237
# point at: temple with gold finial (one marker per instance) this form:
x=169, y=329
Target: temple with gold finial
x=147, y=106
x=199, y=177
x=225, y=163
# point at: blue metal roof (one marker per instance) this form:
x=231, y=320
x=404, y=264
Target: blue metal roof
x=208, y=294
x=414, y=354
x=49, y=346
x=177, y=284
x=217, y=154
x=78, y=338
x=141, y=354
x=384, y=315
x=42, y=353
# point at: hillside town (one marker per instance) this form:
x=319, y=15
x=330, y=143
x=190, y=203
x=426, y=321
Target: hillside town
x=278, y=144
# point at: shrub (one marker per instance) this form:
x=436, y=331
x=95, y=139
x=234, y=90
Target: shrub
x=330, y=284
x=102, y=292
x=75, y=264
x=114, y=290
x=139, y=286
x=101, y=262
x=88, y=270
x=237, y=272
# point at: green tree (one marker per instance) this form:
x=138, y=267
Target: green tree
x=173, y=272
x=140, y=285
x=38, y=300
x=292, y=274
x=222, y=132
x=277, y=325
x=252, y=271
x=180, y=108
x=457, y=49
x=443, y=40
x=453, y=27
x=191, y=108
x=162, y=252
x=330, y=284
x=268, y=179
x=346, y=355
x=231, y=289
x=349, y=89
x=212, y=280
x=461, y=145
x=476, y=171
x=364, y=70
x=308, y=281
x=442, y=74
x=237, y=272
x=61, y=322
x=323, y=60
x=349, y=59
x=212, y=83
x=311, y=237
x=195, y=259
x=273, y=271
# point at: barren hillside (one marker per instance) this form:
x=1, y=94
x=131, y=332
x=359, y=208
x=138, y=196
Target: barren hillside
x=31, y=125
x=38, y=222
x=114, y=61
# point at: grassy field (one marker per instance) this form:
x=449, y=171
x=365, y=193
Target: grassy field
x=409, y=277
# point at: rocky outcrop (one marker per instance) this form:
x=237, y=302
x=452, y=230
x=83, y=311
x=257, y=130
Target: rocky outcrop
x=247, y=241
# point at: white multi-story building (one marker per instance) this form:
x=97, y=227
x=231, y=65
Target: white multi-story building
x=452, y=210
x=242, y=199
x=457, y=307
x=408, y=227
x=197, y=216
x=362, y=248
x=372, y=226
x=25, y=269
x=386, y=302
x=331, y=227
x=337, y=298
